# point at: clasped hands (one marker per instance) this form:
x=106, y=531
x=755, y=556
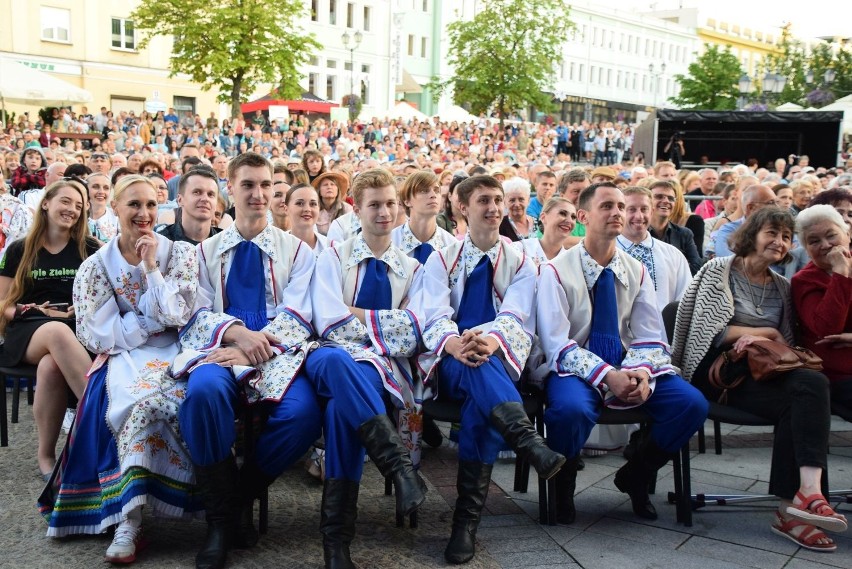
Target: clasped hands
x=244, y=347
x=472, y=348
x=630, y=386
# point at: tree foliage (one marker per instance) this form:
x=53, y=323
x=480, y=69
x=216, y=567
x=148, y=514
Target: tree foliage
x=504, y=57
x=794, y=60
x=232, y=46
x=712, y=81
x=791, y=61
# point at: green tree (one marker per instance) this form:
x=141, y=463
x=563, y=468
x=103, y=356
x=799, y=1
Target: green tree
x=712, y=81
x=504, y=57
x=232, y=46
x=791, y=61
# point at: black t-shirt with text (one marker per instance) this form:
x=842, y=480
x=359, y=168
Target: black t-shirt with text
x=52, y=275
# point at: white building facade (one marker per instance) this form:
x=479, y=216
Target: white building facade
x=619, y=65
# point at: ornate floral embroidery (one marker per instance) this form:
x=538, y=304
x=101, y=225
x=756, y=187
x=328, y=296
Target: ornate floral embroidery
x=127, y=287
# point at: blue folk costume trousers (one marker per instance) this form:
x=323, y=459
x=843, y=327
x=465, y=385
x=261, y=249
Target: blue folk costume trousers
x=351, y=390
x=207, y=415
x=573, y=406
x=479, y=389
x=352, y=393
x=677, y=409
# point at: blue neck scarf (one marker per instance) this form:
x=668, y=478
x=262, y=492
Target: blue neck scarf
x=477, y=303
x=604, y=339
x=246, y=287
x=375, y=292
x=422, y=252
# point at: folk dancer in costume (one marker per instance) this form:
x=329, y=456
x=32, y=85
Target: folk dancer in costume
x=250, y=338
x=125, y=451
x=476, y=308
x=359, y=291
x=301, y=206
x=418, y=237
x=669, y=271
x=601, y=330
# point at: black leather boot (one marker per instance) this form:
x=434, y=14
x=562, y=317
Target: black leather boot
x=385, y=448
x=252, y=484
x=566, y=485
x=217, y=484
x=472, y=486
x=634, y=477
x=512, y=422
x=339, y=511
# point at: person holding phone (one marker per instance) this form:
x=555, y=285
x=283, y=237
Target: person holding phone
x=37, y=318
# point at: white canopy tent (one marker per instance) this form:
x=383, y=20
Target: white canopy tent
x=27, y=86
x=789, y=107
x=844, y=105
x=457, y=114
x=401, y=110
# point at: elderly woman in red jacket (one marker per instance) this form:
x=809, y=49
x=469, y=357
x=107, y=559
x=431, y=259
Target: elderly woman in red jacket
x=822, y=293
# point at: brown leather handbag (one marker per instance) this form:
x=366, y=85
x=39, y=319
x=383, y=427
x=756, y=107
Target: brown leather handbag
x=764, y=360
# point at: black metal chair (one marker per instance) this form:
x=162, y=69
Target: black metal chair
x=450, y=412
x=251, y=422
x=16, y=373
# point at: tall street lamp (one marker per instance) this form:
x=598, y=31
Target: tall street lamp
x=655, y=79
x=773, y=84
x=356, y=41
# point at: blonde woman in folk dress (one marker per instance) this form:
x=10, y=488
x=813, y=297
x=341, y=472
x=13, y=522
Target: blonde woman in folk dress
x=126, y=451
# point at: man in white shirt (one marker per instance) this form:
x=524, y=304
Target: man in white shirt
x=665, y=264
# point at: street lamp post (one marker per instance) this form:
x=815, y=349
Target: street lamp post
x=655, y=78
x=356, y=41
x=773, y=84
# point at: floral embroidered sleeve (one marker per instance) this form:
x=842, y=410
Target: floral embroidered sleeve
x=17, y=219
x=430, y=303
x=332, y=317
x=171, y=297
x=395, y=333
x=514, y=327
x=101, y=327
x=206, y=328
x=648, y=351
x=564, y=355
x=292, y=324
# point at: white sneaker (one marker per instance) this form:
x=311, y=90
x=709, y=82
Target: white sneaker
x=125, y=543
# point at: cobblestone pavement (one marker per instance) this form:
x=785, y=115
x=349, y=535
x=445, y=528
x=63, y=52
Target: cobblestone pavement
x=606, y=534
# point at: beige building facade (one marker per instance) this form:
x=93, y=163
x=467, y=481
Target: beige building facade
x=93, y=44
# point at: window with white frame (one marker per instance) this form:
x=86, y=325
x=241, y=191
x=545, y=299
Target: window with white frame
x=367, y=13
x=313, y=79
x=55, y=24
x=123, y=34
x=332, y=14
x=423, y=47
x=315, y=10
x=329, y=88
x=410, y=44
x=350, y=15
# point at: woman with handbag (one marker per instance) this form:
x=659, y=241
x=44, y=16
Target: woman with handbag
x=736, y=302
x=822, y=292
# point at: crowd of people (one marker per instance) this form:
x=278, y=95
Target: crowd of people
x=337, y=275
